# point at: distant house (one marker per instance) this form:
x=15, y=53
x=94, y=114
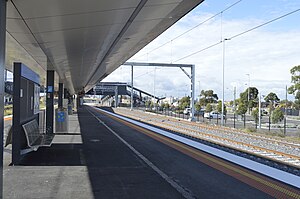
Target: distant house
x=175, y=104
x=290, y=111
x=170, y=100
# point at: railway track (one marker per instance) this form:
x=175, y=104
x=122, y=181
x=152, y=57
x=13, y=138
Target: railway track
x=278, y=150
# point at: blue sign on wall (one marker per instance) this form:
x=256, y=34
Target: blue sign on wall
x=50, y=89
x=29, y=74
x=60, y=116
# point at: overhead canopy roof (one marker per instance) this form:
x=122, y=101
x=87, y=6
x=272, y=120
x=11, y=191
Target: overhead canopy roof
x=85, y=40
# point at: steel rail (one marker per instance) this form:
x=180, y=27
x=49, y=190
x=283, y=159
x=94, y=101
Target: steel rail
x=277, y=156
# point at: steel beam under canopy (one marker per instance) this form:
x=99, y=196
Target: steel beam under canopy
x=82, y=53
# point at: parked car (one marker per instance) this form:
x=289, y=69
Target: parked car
x=200, y=112
x=187, y=111
x=213, y=115
x=264, y=112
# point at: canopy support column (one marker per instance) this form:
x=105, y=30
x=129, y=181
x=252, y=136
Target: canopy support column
x=2, y=68
x=49, y=102
x=60, y=94
x=131, y=96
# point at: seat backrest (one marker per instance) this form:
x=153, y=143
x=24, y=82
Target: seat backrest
x=32, y=132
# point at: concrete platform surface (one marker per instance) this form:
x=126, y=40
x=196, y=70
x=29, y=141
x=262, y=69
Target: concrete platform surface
x=91, y=162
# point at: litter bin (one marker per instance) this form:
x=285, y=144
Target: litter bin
x=61, y=120
x=70, y=109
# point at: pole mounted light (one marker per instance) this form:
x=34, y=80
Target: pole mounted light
x=223, y=80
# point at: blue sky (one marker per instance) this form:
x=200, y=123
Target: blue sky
x=260, y=10
x=267, y=54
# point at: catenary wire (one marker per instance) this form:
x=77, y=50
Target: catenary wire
x=189, y=30
x=239, y=34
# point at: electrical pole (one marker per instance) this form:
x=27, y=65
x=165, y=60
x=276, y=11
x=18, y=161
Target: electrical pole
x=131, y=95
x=154, y=79
x=223, y=82
x=192, y=101
x=199, y=90
x=234, y=104
x=259, y=111
x=285, y=111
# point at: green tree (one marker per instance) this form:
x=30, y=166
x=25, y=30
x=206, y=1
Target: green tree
x=253, y=93
x=277, y=116
x=271, y=99
x=166, y=106
x=219, y=107
x=255, y=115
x=241, y=109
x=290, y=104
x=208, y=97
x=208, y=108
x=147, y=103
x=152, y=104
x=184, y=102
x=295, y=88
x=197, y=107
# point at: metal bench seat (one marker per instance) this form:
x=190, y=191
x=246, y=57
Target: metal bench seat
x=35, y=138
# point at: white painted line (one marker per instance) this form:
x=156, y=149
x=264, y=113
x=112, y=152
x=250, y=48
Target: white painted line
x=271, y=172
x=181, y=190
x=81, y=157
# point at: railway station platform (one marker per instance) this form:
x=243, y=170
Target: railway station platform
x=105, y=157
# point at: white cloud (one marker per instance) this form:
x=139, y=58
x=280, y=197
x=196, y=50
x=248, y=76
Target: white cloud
x=264, y=54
